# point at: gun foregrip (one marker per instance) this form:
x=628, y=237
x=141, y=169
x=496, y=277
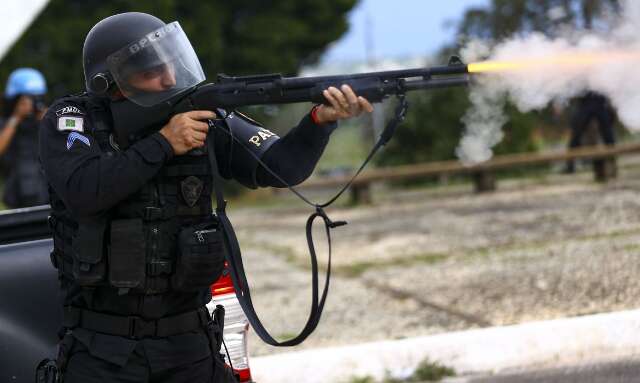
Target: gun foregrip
x=373, y=89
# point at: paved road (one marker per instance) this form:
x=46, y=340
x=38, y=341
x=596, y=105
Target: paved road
x=625, y=371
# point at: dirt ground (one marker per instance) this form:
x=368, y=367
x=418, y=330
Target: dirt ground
x=439, y=259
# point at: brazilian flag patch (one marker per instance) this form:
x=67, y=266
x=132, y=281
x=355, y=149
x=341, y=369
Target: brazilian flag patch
x=70, y=124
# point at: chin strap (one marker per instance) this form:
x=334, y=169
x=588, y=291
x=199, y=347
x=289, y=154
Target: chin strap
x=234, y=256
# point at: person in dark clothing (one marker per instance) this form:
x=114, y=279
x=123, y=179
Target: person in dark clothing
x=135, y=242
x=591, y=107
x=25, y=185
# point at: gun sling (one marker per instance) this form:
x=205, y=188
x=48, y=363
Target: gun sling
x=234, y=256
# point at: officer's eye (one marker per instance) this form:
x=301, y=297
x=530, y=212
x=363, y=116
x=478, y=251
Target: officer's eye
x=152, y=73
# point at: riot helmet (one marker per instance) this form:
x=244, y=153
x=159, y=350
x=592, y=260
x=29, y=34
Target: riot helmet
x=25, y=81
x=148, y=60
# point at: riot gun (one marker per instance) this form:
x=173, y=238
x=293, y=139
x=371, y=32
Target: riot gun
x=132, y=121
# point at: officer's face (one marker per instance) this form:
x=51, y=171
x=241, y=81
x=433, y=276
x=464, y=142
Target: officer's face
x=156, y=79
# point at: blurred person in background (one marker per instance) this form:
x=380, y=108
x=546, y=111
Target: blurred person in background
x=135, y=242
x=23, y=109
x=590, y=108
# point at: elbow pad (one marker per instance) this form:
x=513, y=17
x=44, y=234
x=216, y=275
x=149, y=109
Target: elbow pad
x=251, y=140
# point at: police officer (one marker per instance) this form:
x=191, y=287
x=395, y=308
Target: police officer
x=135, y=244
x=589, y=107
x=23, y=110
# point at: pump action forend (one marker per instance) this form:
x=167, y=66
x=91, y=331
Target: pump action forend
x=132, y=121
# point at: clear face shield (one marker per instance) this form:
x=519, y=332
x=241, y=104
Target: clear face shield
x=157, y=67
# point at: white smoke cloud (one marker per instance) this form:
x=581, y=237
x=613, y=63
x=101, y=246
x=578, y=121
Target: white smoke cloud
x=610, y=65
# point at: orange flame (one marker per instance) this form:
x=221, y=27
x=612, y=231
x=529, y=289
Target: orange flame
x=569, y=60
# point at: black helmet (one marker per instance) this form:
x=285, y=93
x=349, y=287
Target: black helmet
x=128, y=43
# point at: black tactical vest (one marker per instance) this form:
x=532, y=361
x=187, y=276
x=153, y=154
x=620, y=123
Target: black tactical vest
x=161, y=238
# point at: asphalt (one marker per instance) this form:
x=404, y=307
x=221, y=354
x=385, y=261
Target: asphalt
x=622, y=371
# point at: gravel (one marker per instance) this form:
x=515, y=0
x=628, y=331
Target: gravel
x=432, y=260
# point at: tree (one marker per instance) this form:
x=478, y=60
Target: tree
x=239, y=37
x=504, y=18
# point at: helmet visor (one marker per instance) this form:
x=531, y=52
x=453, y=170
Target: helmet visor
x=157, y=67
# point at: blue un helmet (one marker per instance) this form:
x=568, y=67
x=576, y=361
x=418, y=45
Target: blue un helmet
x=27, y=81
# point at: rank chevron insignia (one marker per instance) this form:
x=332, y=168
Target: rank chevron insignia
x=73, y=136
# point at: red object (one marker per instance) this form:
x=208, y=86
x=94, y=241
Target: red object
x=245, y=375
x=224, y=285
x=314, y=114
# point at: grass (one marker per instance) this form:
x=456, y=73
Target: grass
x=358, y=268
x=427, y=371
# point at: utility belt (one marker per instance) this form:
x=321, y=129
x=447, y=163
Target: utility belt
x=139, y=256
x=135, y=327
x=53, y=370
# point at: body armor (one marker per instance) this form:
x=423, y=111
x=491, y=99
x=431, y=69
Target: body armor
x=163, y=237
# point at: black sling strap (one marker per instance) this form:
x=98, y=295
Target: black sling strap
x=234, y=256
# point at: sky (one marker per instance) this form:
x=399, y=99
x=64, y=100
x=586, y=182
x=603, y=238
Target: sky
x=399, y=28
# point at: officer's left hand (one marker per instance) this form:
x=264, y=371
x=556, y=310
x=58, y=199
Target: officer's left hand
x=344, y=104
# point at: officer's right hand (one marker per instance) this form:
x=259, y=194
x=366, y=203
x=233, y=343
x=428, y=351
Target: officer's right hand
x=186, y=131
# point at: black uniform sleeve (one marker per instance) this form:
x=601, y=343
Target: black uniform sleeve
x=87, y=179
x=295, y=155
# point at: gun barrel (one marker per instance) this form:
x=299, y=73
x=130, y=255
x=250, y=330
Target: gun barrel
x=436, y=83
x=297, y=82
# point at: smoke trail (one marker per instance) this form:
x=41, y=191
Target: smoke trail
x=606, y=62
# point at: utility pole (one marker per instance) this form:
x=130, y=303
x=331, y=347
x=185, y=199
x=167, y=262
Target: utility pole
x=363, y=193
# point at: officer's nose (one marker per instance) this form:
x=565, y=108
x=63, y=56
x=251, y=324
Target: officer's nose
x=168, y=79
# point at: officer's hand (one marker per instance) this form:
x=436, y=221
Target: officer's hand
x=186, y=131
x=344, y=104
x=23, y=108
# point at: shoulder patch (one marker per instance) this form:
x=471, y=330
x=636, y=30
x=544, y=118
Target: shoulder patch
x=70, y=124
x=76, y=136
x=69, y=110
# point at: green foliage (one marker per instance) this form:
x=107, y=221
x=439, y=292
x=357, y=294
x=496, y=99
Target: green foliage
x=518, y=132
x=503, y=18
x=239, y=37
x=427, y=371
x=431, y=130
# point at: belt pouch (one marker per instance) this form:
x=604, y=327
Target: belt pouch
x=127, y=258
x=200, y=257
x=89, y=268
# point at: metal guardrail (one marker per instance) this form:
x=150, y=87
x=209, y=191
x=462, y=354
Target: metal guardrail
x=482, y=172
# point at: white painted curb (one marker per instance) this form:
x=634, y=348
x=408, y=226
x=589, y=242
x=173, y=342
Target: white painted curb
x=475, y=351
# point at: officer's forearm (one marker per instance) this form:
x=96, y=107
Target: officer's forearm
x=105, y=180
x=296, y=154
